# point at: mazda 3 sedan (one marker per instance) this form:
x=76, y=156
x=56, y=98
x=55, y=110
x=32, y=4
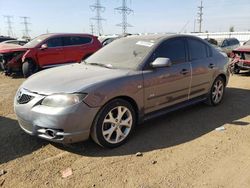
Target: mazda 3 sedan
x=125, y=83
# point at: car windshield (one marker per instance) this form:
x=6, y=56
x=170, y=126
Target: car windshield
x=124, y=53
x=33, y=43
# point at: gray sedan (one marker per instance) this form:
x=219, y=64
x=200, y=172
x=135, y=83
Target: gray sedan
x=125, y=83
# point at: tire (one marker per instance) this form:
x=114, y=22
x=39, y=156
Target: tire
x=29, y=68
x=1, y=66
x=114, y=124
x=217, y=92
x=236, y=69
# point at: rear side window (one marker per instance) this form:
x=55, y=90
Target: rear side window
x=197, y=50
x=233, y=42
x=174, y=50
x=70, y=41
x=54, y=42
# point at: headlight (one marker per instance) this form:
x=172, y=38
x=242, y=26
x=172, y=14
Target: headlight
x=63, y=100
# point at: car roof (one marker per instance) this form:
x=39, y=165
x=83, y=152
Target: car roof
x=160, y=37
x=66, y=34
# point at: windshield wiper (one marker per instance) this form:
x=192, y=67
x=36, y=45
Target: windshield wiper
x=109, y=66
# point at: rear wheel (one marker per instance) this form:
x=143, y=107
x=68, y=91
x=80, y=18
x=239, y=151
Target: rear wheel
x=29, y=68
x=216, y=92
x=114, y=124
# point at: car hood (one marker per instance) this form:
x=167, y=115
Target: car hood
x=12, y=48
x=70, y=78
x=245, y=48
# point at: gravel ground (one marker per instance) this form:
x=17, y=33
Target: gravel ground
x=181, y=149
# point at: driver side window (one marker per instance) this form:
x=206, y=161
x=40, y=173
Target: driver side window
x=174, y=49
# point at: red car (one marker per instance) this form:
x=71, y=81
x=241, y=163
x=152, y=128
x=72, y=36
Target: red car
x=241, y=59
x=48, y=50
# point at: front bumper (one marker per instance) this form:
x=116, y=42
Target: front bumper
x=64, y=125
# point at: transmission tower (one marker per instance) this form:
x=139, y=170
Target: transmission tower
x=125, y=11
x=26, y=28
x=91, y=28
x=98, y=8
x=200, y=14
x=9, y=25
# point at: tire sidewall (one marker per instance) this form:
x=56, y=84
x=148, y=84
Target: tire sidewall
x=97, y=127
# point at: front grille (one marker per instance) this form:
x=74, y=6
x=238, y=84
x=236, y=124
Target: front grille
x=24, y=98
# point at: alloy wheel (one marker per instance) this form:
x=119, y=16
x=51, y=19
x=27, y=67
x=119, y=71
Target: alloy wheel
x=117, y=124
x=217, y=92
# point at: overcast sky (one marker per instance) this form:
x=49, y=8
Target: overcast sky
x=149, y=16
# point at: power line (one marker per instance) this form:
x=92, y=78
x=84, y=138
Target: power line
x=9, y=25
x=98, y=8
x=26, y=28
x=200, y=14
x=125, y=11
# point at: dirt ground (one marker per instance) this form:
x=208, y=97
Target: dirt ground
x=181, y=149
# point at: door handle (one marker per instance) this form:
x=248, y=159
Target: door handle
x=184, y=71
x=211, y=65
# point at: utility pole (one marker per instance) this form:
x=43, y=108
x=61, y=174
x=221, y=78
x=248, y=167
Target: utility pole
x=9, y=25
x=91, y=28
x=125, y=11
x=26, y=28
x=98, y=8
x=200, y=14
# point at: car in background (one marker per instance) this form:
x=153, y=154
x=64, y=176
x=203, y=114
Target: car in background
x=107, y=39
x=3, y=38
x=127, y=82
x=226, y=45
x=241, y=58
x=49, y=50
x=17, y=42
x=247, y=43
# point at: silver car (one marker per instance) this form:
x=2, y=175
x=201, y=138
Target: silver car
x=125, y=83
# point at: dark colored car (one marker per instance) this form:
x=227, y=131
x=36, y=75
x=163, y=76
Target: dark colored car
x=49, y=50
x=241, y=58
x=125, y=83
x=3, y=38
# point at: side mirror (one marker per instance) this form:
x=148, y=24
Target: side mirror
x=161, y=62
x=44, y=46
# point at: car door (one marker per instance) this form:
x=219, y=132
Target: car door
x=75, y=48
x=167, y=86
x=203, y=67
x=53, y=54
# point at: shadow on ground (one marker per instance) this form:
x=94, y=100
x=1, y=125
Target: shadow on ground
x=172, y=129
x=177, y=127
x=14, y=143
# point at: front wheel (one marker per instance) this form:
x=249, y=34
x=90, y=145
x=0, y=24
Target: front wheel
x=29, y=68
x=216, y=92
x=114, y=124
